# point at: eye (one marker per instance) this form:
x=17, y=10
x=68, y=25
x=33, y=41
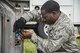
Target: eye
x=44, y=16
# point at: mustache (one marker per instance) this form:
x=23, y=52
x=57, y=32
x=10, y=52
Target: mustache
x=43, y=21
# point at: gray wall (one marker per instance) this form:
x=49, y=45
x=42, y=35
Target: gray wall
x=77, y=11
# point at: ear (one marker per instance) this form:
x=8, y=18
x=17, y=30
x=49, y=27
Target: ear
x=54, y=12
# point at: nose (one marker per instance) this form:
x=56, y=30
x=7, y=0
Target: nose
x=43, y=20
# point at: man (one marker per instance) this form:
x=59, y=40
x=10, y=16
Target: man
x=60, y=33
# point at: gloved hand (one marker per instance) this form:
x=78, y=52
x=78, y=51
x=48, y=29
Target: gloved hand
x=19, y=24
x=26, y=34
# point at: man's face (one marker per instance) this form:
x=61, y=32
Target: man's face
x=48, y=18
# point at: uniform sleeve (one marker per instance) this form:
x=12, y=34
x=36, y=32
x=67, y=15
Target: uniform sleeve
x=54, y=41
x=31, y=15
x=27, y=16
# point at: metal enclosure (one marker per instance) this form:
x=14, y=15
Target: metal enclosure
x=5, y=34
x=5, y=29
x=7, y=37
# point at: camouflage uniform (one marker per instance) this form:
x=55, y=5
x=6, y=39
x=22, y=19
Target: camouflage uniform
x=31, y=15
x=60, y=34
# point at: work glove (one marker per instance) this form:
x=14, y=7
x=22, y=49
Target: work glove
x=19, y=24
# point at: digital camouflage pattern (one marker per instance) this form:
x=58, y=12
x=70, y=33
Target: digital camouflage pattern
x=60, y=35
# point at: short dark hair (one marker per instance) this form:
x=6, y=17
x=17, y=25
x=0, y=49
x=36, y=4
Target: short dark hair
x=37, y=7
x=50, y=6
